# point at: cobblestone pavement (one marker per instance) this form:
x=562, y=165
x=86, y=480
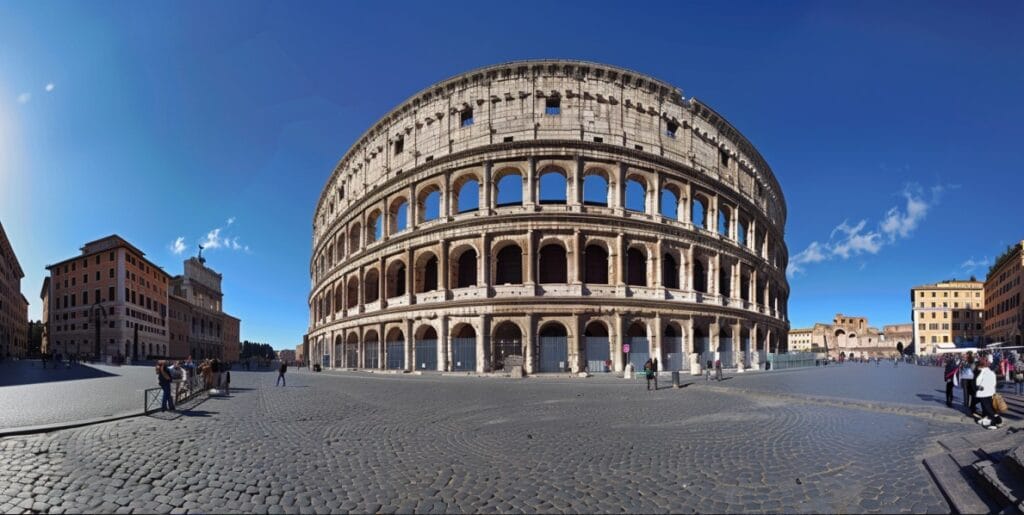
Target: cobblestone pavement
x=68, y=394
x=385, y=443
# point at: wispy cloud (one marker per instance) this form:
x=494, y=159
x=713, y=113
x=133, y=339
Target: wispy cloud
x=971, y=264
x=231, y=220
x=852, y=240
x=217, y=238
x=178, y=246
x=49, y=87
x=24, y=97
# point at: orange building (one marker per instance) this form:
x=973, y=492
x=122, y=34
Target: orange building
x=1004, y=287
x=111, y=283
x=13, y=305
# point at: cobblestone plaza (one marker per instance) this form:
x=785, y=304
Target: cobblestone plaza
x=398, y=443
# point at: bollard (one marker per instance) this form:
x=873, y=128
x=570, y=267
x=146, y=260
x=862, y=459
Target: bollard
x=675, y=379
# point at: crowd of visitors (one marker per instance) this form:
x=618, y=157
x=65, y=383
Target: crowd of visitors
x=980, y=377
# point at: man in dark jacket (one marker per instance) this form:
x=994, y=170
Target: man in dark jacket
x=280, y=374
x=951, y=371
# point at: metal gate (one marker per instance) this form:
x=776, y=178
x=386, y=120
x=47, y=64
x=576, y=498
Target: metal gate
x=395, y=355
x=597, y=354
x=672, y=348
x=464, y=354
x=639, y=351
x=351, y=356
x=372, y=357
x=426, y=354
x=503, y=348
x=554, y=353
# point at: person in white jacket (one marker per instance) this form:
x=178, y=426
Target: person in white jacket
x=985, y=384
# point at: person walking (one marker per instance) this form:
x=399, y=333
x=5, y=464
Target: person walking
x=985, y=384
x=280, y=374
x=227, y=380
x=718, y=369
x=163, y=378
x=649, y=373
x=951, y=375
x=967, y=382
x=707, y=376
x=654, y=366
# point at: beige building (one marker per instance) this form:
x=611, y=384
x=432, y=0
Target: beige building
x=200, y=327
x=300, y=353
x=549, y=213
x=851, y=336
x=1004, y=313
x=113, y=281
x=13, y=305
x=948, y=313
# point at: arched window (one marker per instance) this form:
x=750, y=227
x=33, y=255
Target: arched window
x=429, y=204
x=725, y=281
x=595, y=190
x=396, y=280
x=468, y=198
x=636, y=196
x=700, y=277
x=669, y=204
x=700, y=212
x=354, y=237
x=723, y=221
x=636, y=268
x=552, y=186
x=466, y=275
x=509, y=265
x=399, y=216
x=352, y=292
x=339, y=298
x=552, y=267
x=375, y=227
x=596, y=269
x=510, y=190
x=670, y=272
x=371, y=286
x=426, y=273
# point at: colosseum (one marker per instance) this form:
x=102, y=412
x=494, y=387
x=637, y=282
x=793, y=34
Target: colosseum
x=549, y=216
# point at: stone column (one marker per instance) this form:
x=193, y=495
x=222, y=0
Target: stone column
x=443, y=346
x=737, y=345
x=531, y=180
x=689, y=279
x=360, y=348
x=686, y=204
x=361, y=289
x=482, y=338
x=576, y=185
x=716, y=275
x=713, y=337
x=407, y=347
x=616, y=342
x=734, y=226
x=574, y=343
x=620, y=260
x=659, y=268
x=755, y=358
x=752, y=234
x=412, y=216
x=529, y=260
x=446, y=198
x=487, y=206
x=382, y=291
x=442, y=268
x=619, y=190
x=712, y=215
x=483, y=262
x=530, y=338
x=691, y=347
x=576, y=262
x=410, y=292
x=656, y=201
x=656, y=347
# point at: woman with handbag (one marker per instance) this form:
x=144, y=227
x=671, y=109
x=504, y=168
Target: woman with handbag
x=1018, y=374
x=985, y=386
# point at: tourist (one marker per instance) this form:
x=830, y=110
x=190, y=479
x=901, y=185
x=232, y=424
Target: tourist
x=718, y=370
x=707, y=376
x=967, y=381
x=1018, y=374
x=654, y=366
x=163, y=377
x=227, y=380
x=649, y=373
x=985, y=384
x=951, y=376
x=1004, y=369
x=280, y=375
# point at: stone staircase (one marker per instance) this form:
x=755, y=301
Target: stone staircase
x=983, y=471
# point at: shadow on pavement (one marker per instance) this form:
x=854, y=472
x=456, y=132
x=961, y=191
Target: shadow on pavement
x=14, y=373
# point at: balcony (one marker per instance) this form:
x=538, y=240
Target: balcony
x=514, y=290
x=428, y=297
x=469, y=293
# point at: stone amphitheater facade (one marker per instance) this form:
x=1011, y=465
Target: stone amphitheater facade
x=435, y=246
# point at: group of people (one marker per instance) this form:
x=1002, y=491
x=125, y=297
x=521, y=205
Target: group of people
x=213, y=372
x=980, y=381
x=651, y=371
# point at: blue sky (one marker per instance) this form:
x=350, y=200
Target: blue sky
x=893, y=127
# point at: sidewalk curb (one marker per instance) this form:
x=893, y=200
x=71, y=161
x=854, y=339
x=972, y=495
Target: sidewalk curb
x=60, y=426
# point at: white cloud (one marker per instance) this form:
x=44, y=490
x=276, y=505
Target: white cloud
x=231, y=220
x=24, y=98
x=846, y=241
x=179, y=245
x=49, y=87
x=971, y=265
x=217, y=239
x=212, y=240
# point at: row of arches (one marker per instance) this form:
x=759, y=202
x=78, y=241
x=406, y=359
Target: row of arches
x=599, y=263
x=640, y=192
x=553, y=347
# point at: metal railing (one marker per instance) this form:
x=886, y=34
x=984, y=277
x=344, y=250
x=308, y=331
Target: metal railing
x=181, y=390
